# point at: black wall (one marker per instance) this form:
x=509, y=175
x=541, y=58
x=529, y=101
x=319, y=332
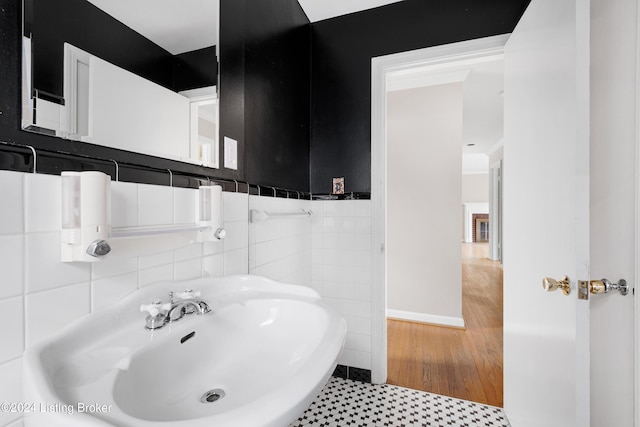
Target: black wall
x=265, y=66
x=195, y=69
x=341, y=72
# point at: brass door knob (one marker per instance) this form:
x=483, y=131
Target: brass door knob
x=597, y=287
x=604, y=286
x=550, y=284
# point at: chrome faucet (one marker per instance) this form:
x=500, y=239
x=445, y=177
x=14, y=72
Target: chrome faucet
x=187, y=302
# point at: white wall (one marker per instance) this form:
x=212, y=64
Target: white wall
x=424, y=155
x=280, y=248
x=496, y=155
x=613, y=121
x=475, y=188
x=40, y=294
x=342, y=270
x=131, y=113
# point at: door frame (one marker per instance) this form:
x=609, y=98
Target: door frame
x=495, y=211
x=637, y=232
x=433, y=57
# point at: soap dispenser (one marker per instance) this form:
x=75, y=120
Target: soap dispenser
x=86, y=216
x=209, y=212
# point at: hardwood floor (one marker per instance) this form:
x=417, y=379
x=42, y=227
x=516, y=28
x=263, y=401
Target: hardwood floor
x=461, y=363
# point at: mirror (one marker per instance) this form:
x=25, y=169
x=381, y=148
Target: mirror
x=138, y=76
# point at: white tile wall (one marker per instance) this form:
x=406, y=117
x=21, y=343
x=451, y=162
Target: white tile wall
x=330, y=252
x=124, y=204
x=184, y=201
x=155, y=205
x=231, y=256
x=11, y=265
x=40, y=193
x=10, y=388
x=280, y=248
x=12, y=310
x=341, y=253
x=43, y=267
x=12, y=208
x=110, y=290
x=35, y=284
x=48, y=311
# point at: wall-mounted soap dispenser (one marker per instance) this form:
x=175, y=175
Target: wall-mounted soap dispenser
x=87, y=234
x=86, y=215
x=209, y=211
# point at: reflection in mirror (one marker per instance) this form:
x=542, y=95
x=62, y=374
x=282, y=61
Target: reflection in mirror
x=139, y=76
x=203, y=124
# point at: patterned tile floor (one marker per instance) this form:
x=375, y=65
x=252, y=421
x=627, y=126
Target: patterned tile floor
x=352, y=403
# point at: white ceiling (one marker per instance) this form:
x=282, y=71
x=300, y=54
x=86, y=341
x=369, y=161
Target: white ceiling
x=177, y=26
x=317, y=10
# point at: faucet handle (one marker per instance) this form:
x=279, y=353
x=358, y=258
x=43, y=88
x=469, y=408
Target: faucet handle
x=188, y=294
x=156, y=307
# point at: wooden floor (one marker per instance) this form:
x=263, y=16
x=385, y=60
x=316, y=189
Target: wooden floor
x=462, y=363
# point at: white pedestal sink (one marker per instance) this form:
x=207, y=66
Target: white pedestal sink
x=258, y=359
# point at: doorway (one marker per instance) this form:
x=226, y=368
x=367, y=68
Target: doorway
x=461, y=54
x=440, y=127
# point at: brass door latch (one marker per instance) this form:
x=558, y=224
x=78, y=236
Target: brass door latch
x=604, y=286
x=585, y=287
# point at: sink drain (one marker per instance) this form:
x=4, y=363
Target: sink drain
x=212, y=396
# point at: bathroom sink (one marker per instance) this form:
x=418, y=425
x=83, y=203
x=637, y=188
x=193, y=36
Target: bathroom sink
x=258, y=358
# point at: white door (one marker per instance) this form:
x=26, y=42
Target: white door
x=546, y=209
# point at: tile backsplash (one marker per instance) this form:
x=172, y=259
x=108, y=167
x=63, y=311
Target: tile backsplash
x=280, y=248
x=39, y=294
x=341, y=253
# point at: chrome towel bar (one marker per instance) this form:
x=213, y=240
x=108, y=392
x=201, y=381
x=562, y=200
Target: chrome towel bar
x=256, y=215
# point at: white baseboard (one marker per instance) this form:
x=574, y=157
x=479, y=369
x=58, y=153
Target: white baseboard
x=457, y=322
